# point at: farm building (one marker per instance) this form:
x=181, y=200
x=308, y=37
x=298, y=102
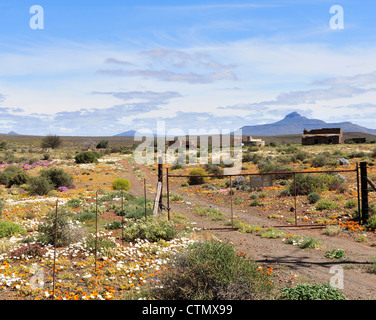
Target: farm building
x=322, y=136
x=356, y=140
x=249, y=141
x=180, y=143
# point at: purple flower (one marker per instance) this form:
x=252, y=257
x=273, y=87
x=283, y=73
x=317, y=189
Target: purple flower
x=61, y=189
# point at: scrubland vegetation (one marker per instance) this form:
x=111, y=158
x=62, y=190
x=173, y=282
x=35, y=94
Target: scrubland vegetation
x=110, y=246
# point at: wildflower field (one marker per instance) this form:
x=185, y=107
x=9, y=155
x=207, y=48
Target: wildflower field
x=69, y=232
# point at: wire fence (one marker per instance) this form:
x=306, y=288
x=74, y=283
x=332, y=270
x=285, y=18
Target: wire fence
x=231, y=177
x=270, y=175
x=58, y=226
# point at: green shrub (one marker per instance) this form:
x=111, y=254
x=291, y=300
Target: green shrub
x=8, y=229
x=255, y=203
x=177, y=165
x=301, y=155
x=40, y=186
x=325, y=205
x=18, y=179
x=270, y=166
x=113, y=225
x=338, y=254
x=285, y=192
x=213, y=270
x=65, y=230
x=85, y=216
x=323, y=159
x=102, y=244
x=271, y=233
x=13, y=175
x=255, y=158
x=103, y=144
x=73, y=203
x=175, y=197
x=320, y=160
x=58, y=177
x=213, y=169
x=247, y=157
x=134, y=208
x=351, y=203
x=3, y=145
x=309, y=243
x=152, y=229
x=2, y=205
x=332, y=230
x=207, y=211
x=121, y=184
x=308, y=183
x=51, y=141
x=305, y=291
x=87, y=157
x=313, y=197
x=371, y=222
x=111, y=195
x=9, y=157
x=197, y=176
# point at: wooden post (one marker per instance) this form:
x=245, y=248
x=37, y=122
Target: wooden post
x=364, y=190
x=372, y=184
x=157, y=198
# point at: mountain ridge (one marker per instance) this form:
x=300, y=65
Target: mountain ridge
x=294, y=123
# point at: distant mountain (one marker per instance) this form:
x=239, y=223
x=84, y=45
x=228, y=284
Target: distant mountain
x=131, y=133
x=294, y=123
x=12, y=132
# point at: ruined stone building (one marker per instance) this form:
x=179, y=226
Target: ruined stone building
x=322, y=136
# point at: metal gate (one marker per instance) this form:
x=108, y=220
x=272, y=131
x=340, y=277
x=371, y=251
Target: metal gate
x=361, y=186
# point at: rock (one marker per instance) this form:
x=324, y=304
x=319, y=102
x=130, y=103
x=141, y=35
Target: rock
x=343, y=161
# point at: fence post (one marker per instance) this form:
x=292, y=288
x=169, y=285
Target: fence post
x=145, y=197
x=54, y=265
x=168, y=195
x=158, y=196
x=122, y=217
x=96, y=234
x=358, y=192
x=232, y=214
x=296, y=217
x=364, y=190
x=160, y=179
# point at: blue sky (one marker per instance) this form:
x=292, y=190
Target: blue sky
x=99, y=68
